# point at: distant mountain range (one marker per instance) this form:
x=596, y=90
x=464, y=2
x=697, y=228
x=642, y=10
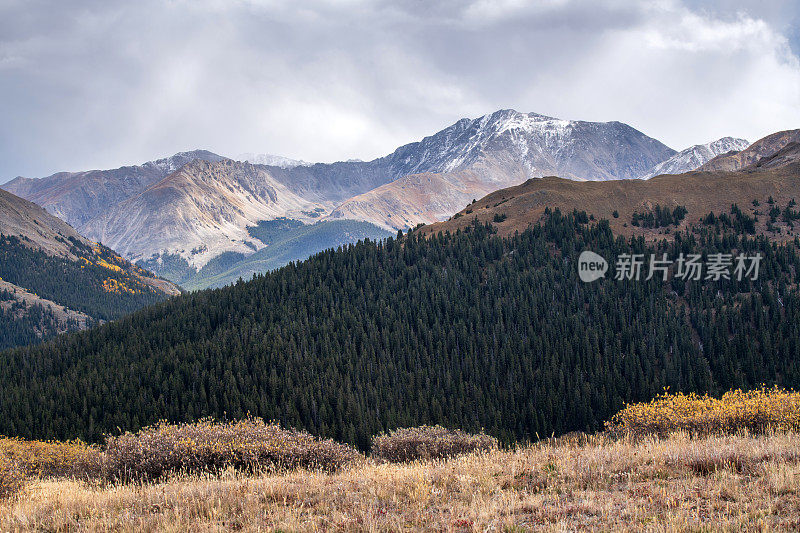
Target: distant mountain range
x=197, y=207
x=198, y=212
x=474, y=157
x=271, y=160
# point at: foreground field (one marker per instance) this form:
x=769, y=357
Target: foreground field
x=677, y=483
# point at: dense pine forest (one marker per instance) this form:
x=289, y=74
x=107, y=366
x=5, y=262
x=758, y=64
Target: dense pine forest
x=466, y=330
x=102, y=292
x=22, y=323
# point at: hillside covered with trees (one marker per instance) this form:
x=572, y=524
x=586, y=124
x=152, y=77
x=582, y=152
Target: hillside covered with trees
x=467, y=330
x=92, y=281
x=54, y=280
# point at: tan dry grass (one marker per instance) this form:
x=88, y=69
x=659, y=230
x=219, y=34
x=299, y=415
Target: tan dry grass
x=679, y=483
x=12, y=478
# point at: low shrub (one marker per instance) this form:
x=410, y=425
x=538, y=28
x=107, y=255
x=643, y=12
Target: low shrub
x=756, y=411
x=207, y=446
x=428, y=442
x=42, y=459
x=12, y=478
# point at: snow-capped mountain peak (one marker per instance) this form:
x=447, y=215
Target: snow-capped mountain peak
x=528, y=122
x=539, y=144
x=697, y=155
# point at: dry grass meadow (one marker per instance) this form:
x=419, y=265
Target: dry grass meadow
x=676, y=483
x=678, y=463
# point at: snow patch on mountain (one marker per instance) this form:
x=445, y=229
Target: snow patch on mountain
x=272, y=160
x=170, y=164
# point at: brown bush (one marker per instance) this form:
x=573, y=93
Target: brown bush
x=42, y=459
x=207, y=446
x=12, y=478
x=428, y=442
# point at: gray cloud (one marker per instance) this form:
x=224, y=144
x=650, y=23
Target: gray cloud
x=96, y=84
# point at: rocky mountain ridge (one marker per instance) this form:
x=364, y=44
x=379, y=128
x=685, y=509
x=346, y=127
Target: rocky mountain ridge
x=763, y=147
x=198, y=212
x=77, y=197
x=697, y=155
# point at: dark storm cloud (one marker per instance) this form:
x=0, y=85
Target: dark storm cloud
x=103, y=83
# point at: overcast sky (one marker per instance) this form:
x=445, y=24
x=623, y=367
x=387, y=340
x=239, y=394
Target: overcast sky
x=100, y=83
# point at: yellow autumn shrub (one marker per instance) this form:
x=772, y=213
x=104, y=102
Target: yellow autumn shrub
x=756, y=411
x=42, y=459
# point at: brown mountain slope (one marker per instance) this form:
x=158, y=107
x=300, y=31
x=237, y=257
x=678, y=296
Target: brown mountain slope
x=25, y=219
x=785, y=156
x=761, y=148
x=699, y=192
x=420, y=198
x=53, y=280
x=77, y=197
x=198, y=212
x=40, y=230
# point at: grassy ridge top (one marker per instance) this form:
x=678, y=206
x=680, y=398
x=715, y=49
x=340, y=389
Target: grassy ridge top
x=700, y=192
